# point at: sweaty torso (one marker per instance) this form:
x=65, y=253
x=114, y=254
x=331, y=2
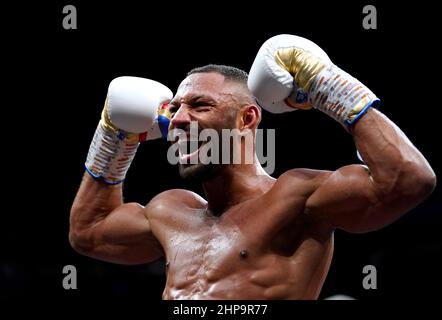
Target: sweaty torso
x=267, y=247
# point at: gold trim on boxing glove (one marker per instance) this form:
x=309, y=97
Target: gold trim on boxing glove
x=358, y=108
x=302, y=65
x=107, y=123
x=291, y=102
x=163, y=110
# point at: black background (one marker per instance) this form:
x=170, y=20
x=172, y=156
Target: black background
x=56, y=84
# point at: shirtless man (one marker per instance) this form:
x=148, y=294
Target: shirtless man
x=252, y=236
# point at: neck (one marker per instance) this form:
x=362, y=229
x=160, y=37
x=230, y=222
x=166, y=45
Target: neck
x=235, y=184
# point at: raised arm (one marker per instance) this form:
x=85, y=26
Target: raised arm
x=101, y=225
x=291, y=72
x=104, y=228
x=396, y=178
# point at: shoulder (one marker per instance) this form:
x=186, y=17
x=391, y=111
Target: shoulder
x=301, y=180
x=303, y=175
x=175, y=198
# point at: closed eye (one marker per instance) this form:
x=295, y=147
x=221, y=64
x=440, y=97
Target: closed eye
x=201, y=104
x=173, y=108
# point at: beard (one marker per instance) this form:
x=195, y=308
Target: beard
x=199, y=172
x=206, y=168
x=203, y=171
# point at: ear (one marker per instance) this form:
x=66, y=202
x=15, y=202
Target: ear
x=250, y=117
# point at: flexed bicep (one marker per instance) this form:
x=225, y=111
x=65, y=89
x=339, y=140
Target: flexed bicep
x=346, y=199
x=124, y=236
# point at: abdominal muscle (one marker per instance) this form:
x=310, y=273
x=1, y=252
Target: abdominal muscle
x=246, y=272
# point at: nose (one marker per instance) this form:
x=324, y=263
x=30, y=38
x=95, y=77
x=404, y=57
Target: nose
x=181, y=119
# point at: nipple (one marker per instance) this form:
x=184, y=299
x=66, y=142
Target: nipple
x=243, y=254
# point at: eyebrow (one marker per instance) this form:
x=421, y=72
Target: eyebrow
x=192, y=99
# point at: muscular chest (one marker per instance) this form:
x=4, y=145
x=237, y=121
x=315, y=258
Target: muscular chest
x=208, y=252
x=202, y=244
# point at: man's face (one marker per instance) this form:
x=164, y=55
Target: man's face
x=212, y=102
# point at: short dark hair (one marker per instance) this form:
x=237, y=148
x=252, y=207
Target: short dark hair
x=229, y=72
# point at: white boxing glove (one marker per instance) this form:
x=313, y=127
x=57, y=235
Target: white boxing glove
x=291, y=72
x=136, y=109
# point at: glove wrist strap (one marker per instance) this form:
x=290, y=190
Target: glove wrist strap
x=110, y=155
x=341, y=96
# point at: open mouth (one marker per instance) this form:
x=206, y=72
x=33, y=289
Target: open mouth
x=188, y=150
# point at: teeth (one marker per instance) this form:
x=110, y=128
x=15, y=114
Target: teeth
x=187, y=141
x=187, y=147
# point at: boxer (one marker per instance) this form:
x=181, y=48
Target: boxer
x=251, y=236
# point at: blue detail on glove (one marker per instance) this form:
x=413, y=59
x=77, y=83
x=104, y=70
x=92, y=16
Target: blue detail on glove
x=301, y=96
x=121, y=135
x=375, y=103
x=101, y=177
x=163, y=123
